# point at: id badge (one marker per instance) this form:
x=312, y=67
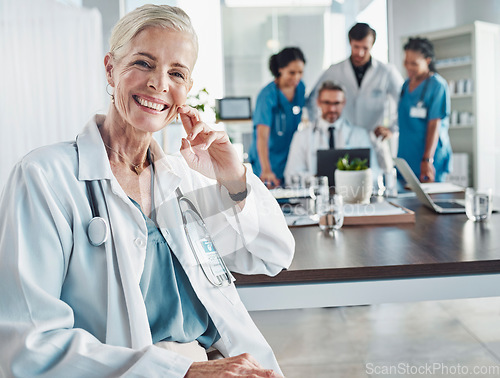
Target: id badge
x=418, y=112
x=204, y=249
x=214, y=262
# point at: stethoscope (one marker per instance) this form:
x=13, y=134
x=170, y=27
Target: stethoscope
x=420, y=102
x=98, y=228
x=199, y=239
x=281, y=115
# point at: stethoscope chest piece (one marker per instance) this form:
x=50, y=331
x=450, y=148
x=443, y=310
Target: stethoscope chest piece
x=98, y=231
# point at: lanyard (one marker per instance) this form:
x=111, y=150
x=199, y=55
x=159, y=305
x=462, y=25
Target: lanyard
x=281, y=119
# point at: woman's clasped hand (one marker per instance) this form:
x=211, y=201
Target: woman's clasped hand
x=243, y=365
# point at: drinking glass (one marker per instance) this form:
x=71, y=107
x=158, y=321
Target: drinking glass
x=296, y=181
x=317, y=186
x=330, y=212
x=478, y=204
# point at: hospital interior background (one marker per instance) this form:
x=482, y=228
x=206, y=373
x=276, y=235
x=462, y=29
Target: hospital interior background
x=52, y=86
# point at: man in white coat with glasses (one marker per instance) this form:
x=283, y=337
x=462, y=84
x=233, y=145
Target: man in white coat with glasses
x=329, y=131
x=371, y=87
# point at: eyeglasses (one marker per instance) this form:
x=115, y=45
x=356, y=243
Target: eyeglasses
x=329, y=103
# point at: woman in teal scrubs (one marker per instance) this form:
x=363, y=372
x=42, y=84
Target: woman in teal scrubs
x=277, y=114
x=423, y=114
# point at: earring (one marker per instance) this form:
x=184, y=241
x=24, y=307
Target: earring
x=111, y=94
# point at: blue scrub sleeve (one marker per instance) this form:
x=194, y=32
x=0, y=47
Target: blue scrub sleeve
x=264, y=109
x=438, y=108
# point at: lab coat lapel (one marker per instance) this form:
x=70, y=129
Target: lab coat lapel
x=93, y=163
x=127, y=321
x=350, y=76
x=369, y=74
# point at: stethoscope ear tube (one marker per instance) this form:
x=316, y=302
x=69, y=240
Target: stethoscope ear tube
x=98, y=228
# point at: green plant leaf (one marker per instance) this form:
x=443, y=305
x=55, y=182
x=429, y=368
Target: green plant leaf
x=355, y=165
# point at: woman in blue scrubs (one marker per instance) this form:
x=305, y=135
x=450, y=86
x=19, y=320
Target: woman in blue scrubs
x=423, y=114
x=277, y=114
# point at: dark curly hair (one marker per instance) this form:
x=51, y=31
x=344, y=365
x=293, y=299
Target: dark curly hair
x=424, y=47
x=283, y=59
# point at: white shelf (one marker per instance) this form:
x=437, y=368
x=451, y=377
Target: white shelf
x=469, y=126
x=453, y=65
x=456, y=96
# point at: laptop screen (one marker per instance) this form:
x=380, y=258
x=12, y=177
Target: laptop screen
x=327, y=160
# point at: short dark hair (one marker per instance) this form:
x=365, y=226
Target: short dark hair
x=361, y=31
x=330, y=86
x=283, y=59
x=424, y=47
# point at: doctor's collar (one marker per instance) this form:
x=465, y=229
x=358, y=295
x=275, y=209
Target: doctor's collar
x=322, y=124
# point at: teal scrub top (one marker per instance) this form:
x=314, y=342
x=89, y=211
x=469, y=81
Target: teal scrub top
x=174, y=311
x=274, y=110
x=413, y=131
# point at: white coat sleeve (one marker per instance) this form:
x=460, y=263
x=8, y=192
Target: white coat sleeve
x=256, y=239
x=37, y=337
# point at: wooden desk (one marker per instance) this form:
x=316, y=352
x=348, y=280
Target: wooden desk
x=438, y=257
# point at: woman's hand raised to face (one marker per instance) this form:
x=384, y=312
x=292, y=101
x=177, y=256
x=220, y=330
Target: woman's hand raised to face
x=210, y=152
x=243, y=365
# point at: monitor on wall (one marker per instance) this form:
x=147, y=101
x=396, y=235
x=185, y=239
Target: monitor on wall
x=234, y=108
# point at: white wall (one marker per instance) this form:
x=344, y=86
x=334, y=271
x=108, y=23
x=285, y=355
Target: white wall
x=50, y=75
x=206, y=18
x=410, y=17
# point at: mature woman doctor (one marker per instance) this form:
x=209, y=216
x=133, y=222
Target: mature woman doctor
x=423, y=114
x=277, y=115
x=77, y=304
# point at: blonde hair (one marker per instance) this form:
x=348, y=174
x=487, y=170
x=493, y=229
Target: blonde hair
x=149, y=15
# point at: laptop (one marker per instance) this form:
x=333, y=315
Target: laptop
x=442, y=206
x=327, y=160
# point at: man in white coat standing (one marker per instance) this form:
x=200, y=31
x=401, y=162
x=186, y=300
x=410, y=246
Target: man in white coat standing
x=330, y=130
x=369, y=84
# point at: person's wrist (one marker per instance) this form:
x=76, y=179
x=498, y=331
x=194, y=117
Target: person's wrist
x=237, y=188
x=427, y=160
x=266, y=171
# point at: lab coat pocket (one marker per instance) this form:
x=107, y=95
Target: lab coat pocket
x=376, y=94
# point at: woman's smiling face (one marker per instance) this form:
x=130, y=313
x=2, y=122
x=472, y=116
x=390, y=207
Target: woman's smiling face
x=152, y=77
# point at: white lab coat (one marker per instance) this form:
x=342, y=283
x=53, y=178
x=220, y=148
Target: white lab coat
x=69, y=309
x=302, y=158
x=371, y=103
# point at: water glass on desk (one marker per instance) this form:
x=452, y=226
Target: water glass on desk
x=295, y=181
x=317, y=186
x=330, y=212
x=478, y=204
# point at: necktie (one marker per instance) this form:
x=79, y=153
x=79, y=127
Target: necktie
x=331, y=130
